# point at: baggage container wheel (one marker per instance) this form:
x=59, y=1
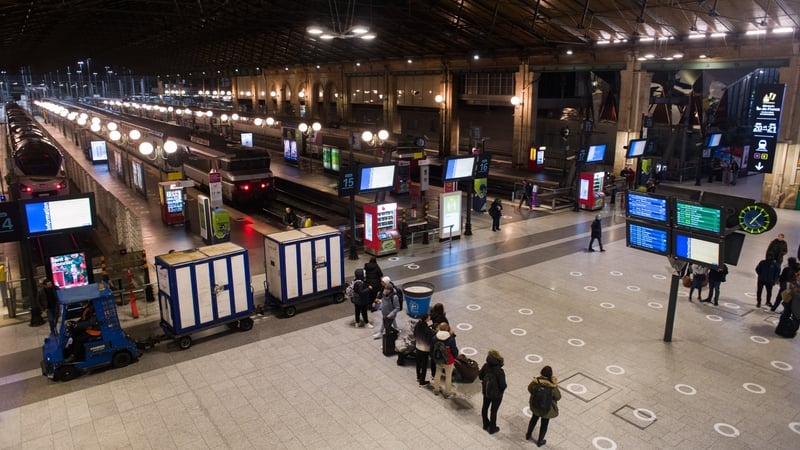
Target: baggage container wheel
x=233, y=325
x=290, y=311
x=338, y=298
x=184, y=342
x=246, y=324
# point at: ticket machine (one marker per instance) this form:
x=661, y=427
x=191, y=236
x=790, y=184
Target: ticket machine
x=380, y=229
x=170, y=195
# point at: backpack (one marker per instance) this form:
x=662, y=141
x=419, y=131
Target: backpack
x=542, y=398
x=492, y=390
x=399, y=293
x=440, y=352
x=349, y=292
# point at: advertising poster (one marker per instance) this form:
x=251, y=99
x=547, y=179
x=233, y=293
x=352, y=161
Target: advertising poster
x=221, y=225
x=450, y=214
x=69, y=270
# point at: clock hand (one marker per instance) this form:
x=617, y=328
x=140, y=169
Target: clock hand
x=754, y=218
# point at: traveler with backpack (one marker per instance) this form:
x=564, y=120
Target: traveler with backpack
x=493, y=385
x=437, y=316
x=373, y=275
x=543, y=402
x=787, y=276
x=423, y=334
x=390, y=305
x=361, y=299
x=495, y=212
x=768, y=272
x=444, y=351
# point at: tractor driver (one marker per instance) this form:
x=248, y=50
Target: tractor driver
x=83, y=331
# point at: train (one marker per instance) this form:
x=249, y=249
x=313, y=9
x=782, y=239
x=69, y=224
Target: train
x=37, y=164
x=245, y=174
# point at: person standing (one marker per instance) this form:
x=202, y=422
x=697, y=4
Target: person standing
x=445, y=361
x=597, y=233
x=768, y=272
x=527, y=194
x=37, y=306
x=716, y=276
x=496, y=211
x=734, y=167
x=438, y=316
x=547, y=380
x=361, y=299
x=699, y=278
x=493, y=385
x=390, y=306
x=373, y=275
x=787, y=275
x=289, y=218
x=423, y=335
x=51, y=302
x=778, y=248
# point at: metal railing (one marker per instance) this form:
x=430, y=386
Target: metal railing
x=433, y=233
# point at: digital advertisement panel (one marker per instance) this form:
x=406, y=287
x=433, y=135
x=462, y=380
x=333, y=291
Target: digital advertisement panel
x=450, y=213
x=69, y=270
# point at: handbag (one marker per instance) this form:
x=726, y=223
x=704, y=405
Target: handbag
x=687, y=281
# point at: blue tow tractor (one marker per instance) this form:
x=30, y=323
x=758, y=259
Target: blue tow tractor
x=89, y=335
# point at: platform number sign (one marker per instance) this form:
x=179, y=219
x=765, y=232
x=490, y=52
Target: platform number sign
x=767, y=124
x=10, y=227
x=482, y=165
x=348, y=181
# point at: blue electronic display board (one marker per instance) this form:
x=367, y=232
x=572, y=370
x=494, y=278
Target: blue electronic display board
x=648, y=206
x=648, y=237
x=57, y=214
x=698, y=249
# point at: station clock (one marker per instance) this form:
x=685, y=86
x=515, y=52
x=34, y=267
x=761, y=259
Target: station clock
x=757, y=218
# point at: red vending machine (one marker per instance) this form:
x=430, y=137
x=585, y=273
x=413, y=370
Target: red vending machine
x=380, y=229
x=536, y=158
x=170, y=195
x=590, y=190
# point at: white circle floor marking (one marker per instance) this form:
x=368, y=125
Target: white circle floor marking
x=714, y=318
x=576, y=342
x=464, y=326
x=474, y=307
x=772, y=320
x=518, y=332
x=731, y=305
x=525, y=311
x=633, y=288
x=615, y=370
x=759, y=339
x=795, y=426
x=590, y=288
x=683, y=294
x=575, y=319
x=576, y=274
x=393, y=258
x=615, y=273
x=607, y=305
x=658, y=276
x=644, y=414
x=527, y=411
x=655, y=305
x=685, y=389
x=469, y=351
x=412, y=266
x=754, y=388
x=750, y=294
x=731, y=430
x=780, y=365
x=607, y=444
x=533, y=358
x=577, y=388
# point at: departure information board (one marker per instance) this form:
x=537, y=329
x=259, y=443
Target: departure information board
x=648, y=206
x=699, y=249
x=698, y=217
x=652, y=238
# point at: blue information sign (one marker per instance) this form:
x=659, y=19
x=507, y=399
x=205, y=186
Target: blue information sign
x=652, y=238
x=648, y=206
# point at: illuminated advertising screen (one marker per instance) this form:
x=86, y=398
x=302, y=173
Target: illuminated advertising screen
x=697, y=249
x=648, y=237
x=596, y=153
x=714, y=140
x=636, y=148
x=287, y=149
x=70, y=270
x=98, y=151
x=699, y=217
x=641, y=205
x=459, y=168
x=450, y=214
x=247, y=139
x=376, y=178
x=56, y=214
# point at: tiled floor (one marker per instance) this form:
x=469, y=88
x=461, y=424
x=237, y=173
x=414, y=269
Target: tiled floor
x=725, y=381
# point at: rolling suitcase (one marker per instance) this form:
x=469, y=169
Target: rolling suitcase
x=388, y=339
x=787, y=326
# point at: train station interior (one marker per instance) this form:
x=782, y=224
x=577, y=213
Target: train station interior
x=389, y=128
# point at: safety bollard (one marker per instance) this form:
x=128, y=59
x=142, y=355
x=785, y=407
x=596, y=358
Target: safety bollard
x=134, y=308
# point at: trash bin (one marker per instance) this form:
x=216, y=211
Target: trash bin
x=418, y=297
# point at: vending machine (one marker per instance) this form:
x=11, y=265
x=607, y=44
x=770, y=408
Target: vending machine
x=590, y=190
x=380, y=229
x=170, y=196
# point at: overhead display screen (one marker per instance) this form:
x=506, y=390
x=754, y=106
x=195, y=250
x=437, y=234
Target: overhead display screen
x=459, y=168
x=596, y=153
x=652, y=238
x=59, y=214
x=714, y=139
x=98, y=151
x=376, y=178
x=697, y=249
x=648, y=206
x=698, y=217
x=636, y=148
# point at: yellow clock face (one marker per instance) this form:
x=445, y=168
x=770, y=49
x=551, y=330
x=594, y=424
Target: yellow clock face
x=757, y=218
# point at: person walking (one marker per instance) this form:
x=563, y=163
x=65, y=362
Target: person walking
x=787, y=275
x=546, y=381
x=778, y=248
x=361, y=300
x=423, y=335
x=373, y=275
x=389, y=305
x=527, y=194
x=597, y=233
x=699, y=279
x=768, y=272
x=496, y=211
x=716, y=276
x=444, y=351
x=493, y=385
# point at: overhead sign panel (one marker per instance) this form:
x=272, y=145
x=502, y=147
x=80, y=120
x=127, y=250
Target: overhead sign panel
x=767, y=124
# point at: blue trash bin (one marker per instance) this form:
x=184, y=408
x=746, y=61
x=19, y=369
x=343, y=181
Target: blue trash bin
x=418, y=297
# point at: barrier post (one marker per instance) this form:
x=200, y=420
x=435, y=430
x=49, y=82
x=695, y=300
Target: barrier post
x=134, y=308
x=425, y=228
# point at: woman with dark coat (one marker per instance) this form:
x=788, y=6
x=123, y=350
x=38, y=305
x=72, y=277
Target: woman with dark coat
x=546, y=379
x=437, y=316
x=423, y=335
x=373, y=275
x=361, y=299
x=493, y=396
